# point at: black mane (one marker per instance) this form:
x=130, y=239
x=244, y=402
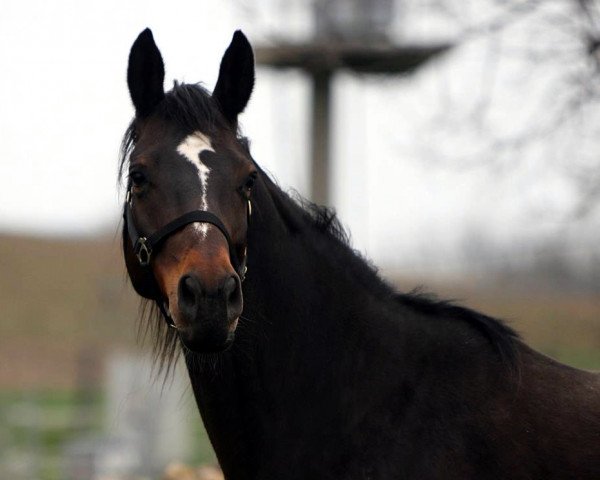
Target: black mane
x=501, y=336
x=298, y=211
x=190, y=106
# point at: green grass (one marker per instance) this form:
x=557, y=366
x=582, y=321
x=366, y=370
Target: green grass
x=203, y=451
x=38, y=424
x=578, y=358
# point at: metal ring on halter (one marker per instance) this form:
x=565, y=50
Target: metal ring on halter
x=143, y=251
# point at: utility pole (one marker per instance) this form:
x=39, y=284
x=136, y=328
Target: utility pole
x=350, y=35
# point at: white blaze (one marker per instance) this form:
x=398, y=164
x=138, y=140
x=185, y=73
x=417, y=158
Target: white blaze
x=190, y=148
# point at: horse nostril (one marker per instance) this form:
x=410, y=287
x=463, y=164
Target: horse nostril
x=196, y=303
x=229, y=287
x=189, y=291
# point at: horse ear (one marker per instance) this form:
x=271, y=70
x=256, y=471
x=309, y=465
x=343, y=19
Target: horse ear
x=236, y=78
x=145, y=74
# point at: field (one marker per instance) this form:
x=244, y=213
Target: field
x=66, y=305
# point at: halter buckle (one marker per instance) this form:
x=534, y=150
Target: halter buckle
x=143, y=252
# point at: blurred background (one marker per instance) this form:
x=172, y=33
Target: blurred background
x=459, y=141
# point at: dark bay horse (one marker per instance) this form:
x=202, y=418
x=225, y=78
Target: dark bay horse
x=303, y=362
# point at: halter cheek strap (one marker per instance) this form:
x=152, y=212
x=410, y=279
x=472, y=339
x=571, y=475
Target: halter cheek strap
x=144, y=246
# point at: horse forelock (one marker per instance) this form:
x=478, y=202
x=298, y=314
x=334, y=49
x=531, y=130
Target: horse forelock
x=188, y=106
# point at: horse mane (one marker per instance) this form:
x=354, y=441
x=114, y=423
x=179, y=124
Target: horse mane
x=192, y=108
x=502, y=338
x=323, y=219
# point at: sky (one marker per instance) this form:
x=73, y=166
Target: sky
x=65, y=103
x=64, y=106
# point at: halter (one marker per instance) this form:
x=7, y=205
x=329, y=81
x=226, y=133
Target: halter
x=145, y=246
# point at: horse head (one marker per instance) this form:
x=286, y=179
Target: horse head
x=189, y=184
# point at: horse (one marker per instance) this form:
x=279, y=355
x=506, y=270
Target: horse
x=303, y=361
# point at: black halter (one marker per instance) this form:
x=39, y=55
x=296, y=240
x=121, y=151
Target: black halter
x=145, y=246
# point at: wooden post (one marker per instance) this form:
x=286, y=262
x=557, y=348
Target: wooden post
x=320, y=148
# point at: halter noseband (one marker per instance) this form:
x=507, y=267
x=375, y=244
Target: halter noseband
x=145, y=246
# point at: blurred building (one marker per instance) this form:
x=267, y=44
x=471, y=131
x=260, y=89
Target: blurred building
x=147, y=424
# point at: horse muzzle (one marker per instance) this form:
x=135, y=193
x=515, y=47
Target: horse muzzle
x=206, y=318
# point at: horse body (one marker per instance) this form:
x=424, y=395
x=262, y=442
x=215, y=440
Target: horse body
x=332, y=374
x=329, y=379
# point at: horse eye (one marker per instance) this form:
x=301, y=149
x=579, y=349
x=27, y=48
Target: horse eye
x=138, y=179
x=250, y=181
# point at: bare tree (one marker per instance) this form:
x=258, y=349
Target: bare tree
x=540, y=71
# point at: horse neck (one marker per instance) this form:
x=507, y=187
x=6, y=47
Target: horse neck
x=300, y=272
x=308, y=300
